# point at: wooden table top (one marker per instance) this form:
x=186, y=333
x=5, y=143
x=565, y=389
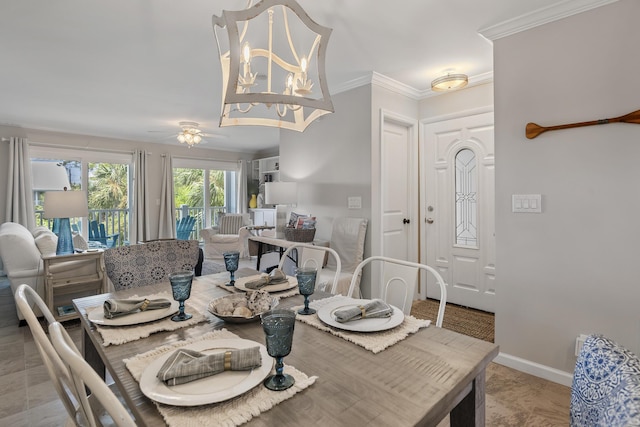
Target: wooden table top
x=417, y=381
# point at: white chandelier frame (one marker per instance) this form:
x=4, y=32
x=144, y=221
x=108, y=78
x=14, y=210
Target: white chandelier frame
x=238, y=101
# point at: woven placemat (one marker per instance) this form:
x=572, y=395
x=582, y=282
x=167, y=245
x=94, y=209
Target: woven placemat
x=233, y=412
x=372, y=341
x=115, y=335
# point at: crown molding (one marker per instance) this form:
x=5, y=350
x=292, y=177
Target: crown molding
x=380, y=80
x=539, y=17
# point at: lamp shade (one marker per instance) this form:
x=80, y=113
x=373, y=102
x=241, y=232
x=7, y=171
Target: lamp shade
x=49, y=176
x=65, y=204
x=281, y=193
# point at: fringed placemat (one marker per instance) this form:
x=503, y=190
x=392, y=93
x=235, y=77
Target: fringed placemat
x=115, y=335
x=233, y=412
x=372, y=341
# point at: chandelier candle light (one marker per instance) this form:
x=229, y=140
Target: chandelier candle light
x=273, y=59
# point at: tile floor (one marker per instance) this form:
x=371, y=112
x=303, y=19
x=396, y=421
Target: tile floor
x=27, y=397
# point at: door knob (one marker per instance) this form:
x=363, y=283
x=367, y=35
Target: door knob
x=406, y=221
x=429, y=220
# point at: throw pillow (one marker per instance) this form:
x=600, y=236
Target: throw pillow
x=79, y=242
x=39, y=230
x=47, y=243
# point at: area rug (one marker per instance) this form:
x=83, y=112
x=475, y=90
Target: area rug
x=468, y=321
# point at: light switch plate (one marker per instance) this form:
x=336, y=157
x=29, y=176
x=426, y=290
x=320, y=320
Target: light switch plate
x=526, y=203
x=354, y=202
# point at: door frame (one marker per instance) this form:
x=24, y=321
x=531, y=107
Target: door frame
x=424, y=214
x=376, y=190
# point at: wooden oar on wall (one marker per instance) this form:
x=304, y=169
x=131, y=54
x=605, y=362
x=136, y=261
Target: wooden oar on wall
x=534, y=130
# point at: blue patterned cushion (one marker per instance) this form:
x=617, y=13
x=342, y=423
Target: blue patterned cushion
x=139, y=265
x=606, y=386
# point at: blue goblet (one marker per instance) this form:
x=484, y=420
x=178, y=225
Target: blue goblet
x=231, y=260
x=181, y=288
x=306, y=277
x=278, y=328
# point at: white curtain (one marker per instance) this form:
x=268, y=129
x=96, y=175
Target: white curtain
x=19, y=192
x=141, y=231
x=241, y=191
x=167, y=223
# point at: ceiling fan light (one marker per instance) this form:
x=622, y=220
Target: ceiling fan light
x=197, y=138
x=449, y=82
x=181, y=138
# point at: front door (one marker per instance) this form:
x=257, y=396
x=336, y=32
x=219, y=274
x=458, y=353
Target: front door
x=458, y=233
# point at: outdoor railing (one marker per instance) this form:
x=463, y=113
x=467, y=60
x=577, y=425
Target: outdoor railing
x=116, y=221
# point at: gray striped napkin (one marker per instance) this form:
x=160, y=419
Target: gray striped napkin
x=375, y=308
x=121, y=307
x=186, y=365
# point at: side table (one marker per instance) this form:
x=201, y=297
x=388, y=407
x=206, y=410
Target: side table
x=61, y=287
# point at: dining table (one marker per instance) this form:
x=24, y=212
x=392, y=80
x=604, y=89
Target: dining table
x=418, y=380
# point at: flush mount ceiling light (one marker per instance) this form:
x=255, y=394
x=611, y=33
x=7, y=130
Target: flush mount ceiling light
x=450, y=82
x=191, y=134
x=273, y=66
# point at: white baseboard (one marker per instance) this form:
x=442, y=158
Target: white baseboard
x=529, y=367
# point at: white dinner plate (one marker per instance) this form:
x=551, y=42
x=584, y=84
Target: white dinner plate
x=374, y=324
x=212, y=389
x=292, y=283
x=97, y=316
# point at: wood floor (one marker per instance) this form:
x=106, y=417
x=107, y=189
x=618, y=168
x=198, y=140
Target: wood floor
x=27, y=397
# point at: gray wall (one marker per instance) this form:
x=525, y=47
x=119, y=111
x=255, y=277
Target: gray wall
x=571, y=269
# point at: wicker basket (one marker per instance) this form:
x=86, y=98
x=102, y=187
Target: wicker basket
x=303, y=235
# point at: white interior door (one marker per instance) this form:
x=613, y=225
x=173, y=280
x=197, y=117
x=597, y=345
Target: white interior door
x=458, y=237
x=399, y=194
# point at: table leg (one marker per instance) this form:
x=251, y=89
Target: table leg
x=91, y=355
x=260, y=247
x=471, y=409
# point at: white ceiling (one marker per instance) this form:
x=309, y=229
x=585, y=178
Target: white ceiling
x=122, y=68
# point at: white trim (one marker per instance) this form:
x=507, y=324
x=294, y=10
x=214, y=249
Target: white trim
x=539, y=17
x=380, y=80
x=540, y=371
x=457, y=115
x=194, y=163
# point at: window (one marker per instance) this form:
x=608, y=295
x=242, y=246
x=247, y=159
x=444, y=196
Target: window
x=105, y=175
x=466, y=176
x=191, y=178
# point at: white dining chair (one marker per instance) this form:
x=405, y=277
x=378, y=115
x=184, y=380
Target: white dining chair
x=314, y=256
x=84, y=377
x=400, y=279
x=29, y=302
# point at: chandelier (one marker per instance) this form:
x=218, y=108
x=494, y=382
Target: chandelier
x=273, y=66
x=191, y=134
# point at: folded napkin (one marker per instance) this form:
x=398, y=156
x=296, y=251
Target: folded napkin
x=274, y=278
x=189, y=365
x=375, y=308
x=121, y=307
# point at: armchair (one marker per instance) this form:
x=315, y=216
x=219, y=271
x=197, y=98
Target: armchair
x=230, y=235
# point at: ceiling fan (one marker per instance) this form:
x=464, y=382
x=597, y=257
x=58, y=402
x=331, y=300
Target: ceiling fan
x=191, y=134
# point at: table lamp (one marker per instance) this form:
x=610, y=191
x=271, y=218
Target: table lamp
x=64, y=205
x=279, y=194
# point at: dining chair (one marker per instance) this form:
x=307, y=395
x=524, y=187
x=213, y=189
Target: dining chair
x=83, y=377
x=347, y=239
x=400, y=279
x=26, y=301
x=314, y=256
x=147, y=263
x=606, y=385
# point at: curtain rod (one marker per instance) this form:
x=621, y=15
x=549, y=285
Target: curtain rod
x=75, y=147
